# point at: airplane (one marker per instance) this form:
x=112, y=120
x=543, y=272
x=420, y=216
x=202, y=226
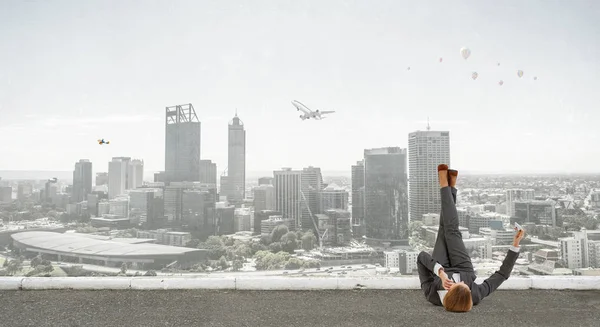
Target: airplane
x=103, y=142
x=308, y=114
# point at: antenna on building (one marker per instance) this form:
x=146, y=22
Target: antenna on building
x=236, y=112
x=428, y=126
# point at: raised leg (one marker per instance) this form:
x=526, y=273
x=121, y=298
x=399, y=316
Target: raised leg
x=440, y=249
x=457, y=252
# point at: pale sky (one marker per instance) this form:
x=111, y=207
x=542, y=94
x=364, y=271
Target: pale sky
x=75, y=71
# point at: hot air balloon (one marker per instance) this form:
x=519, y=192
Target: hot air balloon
x=441, y=59
x=474, y=75
x=520, y=73
x=465, y=53
x=535, y=78
x=500, y=83
x=498, y=64
x=408, y=68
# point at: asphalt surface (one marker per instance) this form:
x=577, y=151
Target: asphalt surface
x=292, y=308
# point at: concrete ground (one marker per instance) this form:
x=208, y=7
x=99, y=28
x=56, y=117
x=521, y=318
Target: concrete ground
x=291, y=308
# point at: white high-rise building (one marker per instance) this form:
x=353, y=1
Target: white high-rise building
x=574, y=250
x=288, y=196
x=135, y=174
x=82, y=180
x=517, y=195
x=426, y=150
x=236, y=159
x=117, y=177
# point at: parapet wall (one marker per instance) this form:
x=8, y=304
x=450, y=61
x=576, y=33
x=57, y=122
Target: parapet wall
x=276, y=283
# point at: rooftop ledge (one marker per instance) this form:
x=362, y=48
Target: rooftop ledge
x=276, y=283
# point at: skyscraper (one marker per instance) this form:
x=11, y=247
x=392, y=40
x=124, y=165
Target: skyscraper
x=236, y=169
x=312, y=184
x=117, y=176
x=386, y=194
x=426, y=150
x=82, y=180
x=358, y=193
x=182, y=144
x=135, y=174
x=288, y=197
x=208, y=172
x=264, y=197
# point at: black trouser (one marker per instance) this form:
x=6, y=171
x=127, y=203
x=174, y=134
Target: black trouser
x=449, y=250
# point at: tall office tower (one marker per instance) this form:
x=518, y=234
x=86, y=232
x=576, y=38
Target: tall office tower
x=386, y=194
x=208, y=172
x=517, y=195
x=575, y=250
x=117, y=177
x=264, y=197
x=50, y=189
x=223, y=187
x=236, y=169
x=101, y=179
x=128, y=171
x=358, y=193
x=288, y=197
x=82, y=180
x=135, y=174
x=312, y=185
x=182, y=144
x=426, y=150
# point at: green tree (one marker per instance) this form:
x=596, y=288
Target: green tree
x=278, y=232
x=14, y=266
x=150, y=273
x=289, y=242
x=227, y=241
x=124, y=268
x=275, y=247
x=237, y=265
x=256, y=247
x=36, y=261
x=243, y=250
x=269, y=261
x=309, y=240
x=194, y=243
x=294, y=263
x=215, y=246
x=265, y=240
x=223, y=263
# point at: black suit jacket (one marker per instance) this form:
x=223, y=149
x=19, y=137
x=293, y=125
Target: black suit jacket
x=431, y=283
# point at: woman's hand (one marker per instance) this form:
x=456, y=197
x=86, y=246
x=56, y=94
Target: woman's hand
x=518, y=237
x=446, y=282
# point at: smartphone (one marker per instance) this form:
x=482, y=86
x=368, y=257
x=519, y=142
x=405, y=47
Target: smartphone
x=518, y=227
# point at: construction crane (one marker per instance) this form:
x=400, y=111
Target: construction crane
x=320, y=237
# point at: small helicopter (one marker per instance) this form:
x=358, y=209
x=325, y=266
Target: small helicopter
x=101, y=141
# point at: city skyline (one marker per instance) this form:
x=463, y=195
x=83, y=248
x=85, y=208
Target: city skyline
x=114, y=82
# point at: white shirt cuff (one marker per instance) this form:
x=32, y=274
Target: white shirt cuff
x=436, y=269
x=515, y=248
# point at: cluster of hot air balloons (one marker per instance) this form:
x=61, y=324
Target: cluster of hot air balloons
x=466, y=53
